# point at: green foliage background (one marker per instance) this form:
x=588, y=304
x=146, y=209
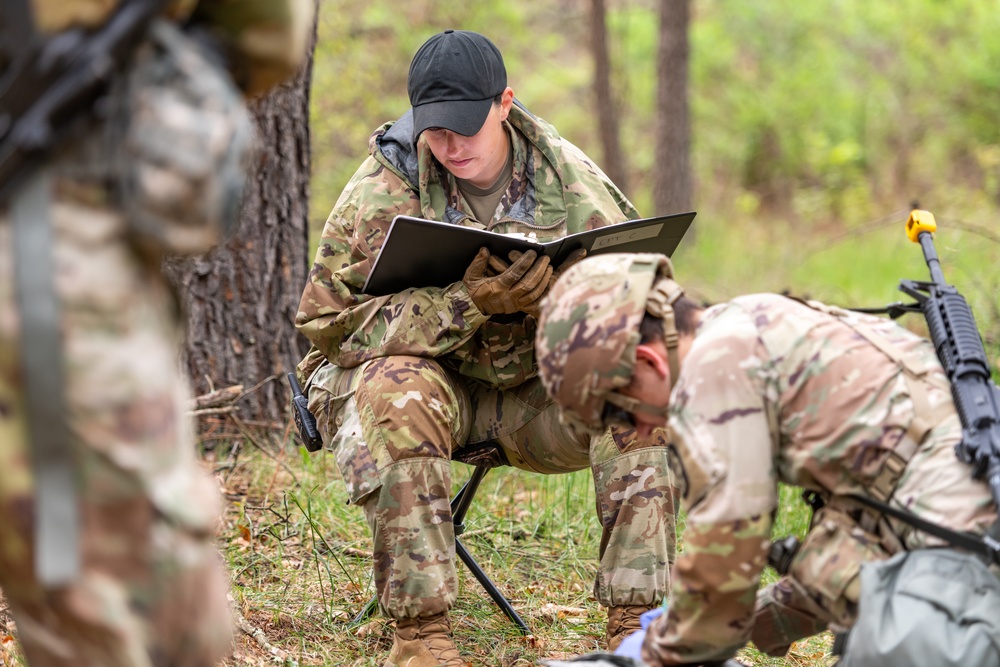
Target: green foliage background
x=814, y=126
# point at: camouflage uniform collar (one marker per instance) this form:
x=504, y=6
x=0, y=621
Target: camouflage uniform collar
x=392, y=145
x=516, y=189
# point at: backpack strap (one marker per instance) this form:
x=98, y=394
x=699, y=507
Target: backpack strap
x=986, y=546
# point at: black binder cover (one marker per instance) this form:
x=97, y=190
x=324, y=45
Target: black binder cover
x=425, y=253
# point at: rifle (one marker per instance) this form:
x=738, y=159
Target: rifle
x=960, y=350
x=54, y=86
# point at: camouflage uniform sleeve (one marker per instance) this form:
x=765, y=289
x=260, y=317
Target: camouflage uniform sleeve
x=349, y=327
x=266, y=40
x=585, y=189
x=720, y=420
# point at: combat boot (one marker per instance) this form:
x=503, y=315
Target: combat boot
x=424, y=642
x=623, y=621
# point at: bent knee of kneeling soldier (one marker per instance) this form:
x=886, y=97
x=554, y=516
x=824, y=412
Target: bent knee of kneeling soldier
x=828, y=564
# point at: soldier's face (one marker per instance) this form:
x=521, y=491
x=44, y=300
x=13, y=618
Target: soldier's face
x=651, y=385
x=479, y=158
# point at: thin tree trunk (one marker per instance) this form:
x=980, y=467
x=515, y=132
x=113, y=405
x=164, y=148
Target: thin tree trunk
x=673, y=183
x=613, y=163
x=241, y=298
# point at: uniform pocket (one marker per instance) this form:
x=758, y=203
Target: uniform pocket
x=354, y=458
x=830, y=559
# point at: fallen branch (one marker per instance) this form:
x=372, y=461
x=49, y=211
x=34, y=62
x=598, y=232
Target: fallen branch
x=211, y=411
x=258, y=636
x=217, y=398
x=357, y=553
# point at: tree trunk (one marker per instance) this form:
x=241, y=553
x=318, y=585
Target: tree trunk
x=605, y=101
x=673, y=184
x=241, y=298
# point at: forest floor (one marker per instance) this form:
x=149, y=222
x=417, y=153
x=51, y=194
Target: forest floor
x=299, y=564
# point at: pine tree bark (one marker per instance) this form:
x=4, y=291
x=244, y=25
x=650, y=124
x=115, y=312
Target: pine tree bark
x=673, y=188
x=240, y=299
x=613, y=163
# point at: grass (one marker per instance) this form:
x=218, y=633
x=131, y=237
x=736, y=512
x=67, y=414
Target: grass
x=300, y=570
x=300, y=566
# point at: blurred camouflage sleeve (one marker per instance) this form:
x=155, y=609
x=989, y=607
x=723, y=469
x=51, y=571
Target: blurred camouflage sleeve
x=349, y=327
x=266, y=40
x=53, y=16
x=719, y=418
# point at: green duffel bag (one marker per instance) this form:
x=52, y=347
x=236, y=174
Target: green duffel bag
x=936, y=607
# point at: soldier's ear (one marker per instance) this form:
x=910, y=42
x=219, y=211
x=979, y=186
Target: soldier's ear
x=650, y=355
x=506, y=103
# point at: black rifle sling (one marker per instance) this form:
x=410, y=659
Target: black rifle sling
x=982, y=546
x=57, y=550
x=16, y=30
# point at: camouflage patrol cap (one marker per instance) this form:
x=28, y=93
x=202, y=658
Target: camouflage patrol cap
x=589, y=329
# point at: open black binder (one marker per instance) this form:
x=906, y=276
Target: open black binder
x=425, y=253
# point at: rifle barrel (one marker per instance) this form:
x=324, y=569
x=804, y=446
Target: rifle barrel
x=930, y=255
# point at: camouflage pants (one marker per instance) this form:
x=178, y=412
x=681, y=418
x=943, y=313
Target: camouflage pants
x=824, y=585
x=151, y=590
x=393, y=423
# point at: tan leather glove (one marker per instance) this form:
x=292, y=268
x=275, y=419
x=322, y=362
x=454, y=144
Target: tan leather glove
x=498, y=266
x=519, y=286
x=570, y=260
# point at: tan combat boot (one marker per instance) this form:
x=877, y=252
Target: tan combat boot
x=424, y=642
x=623, y=621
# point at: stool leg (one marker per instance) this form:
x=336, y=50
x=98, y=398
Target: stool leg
x=459, y=507
x=490, y=587
x=460, y=503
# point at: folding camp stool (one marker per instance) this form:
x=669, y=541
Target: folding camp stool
x=483, y=457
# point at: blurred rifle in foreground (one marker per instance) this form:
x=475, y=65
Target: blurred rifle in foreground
x=52, y=86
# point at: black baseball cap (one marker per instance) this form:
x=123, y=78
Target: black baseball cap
x=453, y=79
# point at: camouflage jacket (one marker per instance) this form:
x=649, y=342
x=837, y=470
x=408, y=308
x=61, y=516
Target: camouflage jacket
x=773, y=390
x=265, y=39
x=556, y=190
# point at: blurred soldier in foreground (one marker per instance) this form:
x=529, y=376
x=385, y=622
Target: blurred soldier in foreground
x=766, y=389
x=399, y=382
x=106, y=519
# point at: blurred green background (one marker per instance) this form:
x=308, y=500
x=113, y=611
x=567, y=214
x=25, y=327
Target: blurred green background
x=814, y=126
